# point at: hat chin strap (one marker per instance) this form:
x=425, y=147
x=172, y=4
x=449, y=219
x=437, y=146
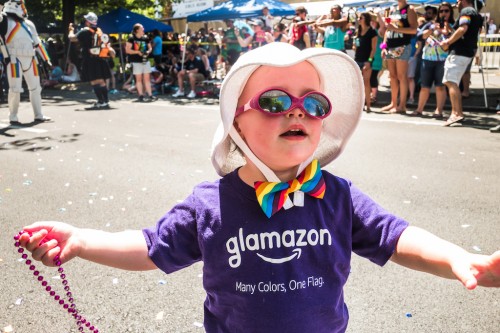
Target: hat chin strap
x=266, y=171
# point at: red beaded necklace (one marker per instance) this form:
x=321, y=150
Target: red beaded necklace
x=69, y=303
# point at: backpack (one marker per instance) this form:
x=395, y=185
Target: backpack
x=99, y=43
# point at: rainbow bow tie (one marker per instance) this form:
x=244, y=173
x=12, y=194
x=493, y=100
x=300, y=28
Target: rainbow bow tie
x=272, y=196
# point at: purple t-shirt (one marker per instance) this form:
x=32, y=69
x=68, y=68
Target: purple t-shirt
x=283, y=274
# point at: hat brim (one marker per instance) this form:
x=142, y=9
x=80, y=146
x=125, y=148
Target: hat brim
x=341, y=81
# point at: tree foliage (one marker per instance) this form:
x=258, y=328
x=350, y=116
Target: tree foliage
x=48, y=14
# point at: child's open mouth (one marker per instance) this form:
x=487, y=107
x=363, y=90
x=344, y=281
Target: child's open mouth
x=294, y=132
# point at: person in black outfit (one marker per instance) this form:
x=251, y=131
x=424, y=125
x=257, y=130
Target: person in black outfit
x=366, y=45
x=94, y=50
x=195, y=70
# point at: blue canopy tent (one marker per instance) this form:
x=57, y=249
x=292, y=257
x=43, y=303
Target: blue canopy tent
x=235, y=9
x=240, y=9
x=121, y=21
x=357, y=3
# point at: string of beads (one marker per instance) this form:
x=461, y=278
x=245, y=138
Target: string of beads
x=67, y=303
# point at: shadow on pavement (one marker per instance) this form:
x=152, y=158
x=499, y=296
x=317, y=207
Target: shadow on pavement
x=38, y=143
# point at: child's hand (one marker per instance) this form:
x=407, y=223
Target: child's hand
x=45, y=240
x=479, y=270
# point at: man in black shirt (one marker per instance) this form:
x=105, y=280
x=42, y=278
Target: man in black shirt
x=462, y=45
x=195, y=70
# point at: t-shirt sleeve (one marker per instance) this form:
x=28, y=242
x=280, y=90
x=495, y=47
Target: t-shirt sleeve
x=375, y=232
x=465, y=17
x=173, y=242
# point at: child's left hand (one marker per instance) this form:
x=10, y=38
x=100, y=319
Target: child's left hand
x=478, y=270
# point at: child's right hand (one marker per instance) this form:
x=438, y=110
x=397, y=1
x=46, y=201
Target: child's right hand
x=47, y=239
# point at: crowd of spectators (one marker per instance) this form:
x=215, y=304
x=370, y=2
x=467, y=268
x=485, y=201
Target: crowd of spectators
x=409, y=44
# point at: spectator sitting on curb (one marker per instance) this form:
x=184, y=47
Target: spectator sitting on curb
x=71, y=74
x=194, y=70
x=54, y=78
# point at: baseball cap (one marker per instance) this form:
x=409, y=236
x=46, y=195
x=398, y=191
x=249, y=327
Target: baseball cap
x=91, y=18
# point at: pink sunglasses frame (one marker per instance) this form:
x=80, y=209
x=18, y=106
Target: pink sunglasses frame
x=297, y=102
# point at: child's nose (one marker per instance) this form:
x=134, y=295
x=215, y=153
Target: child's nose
x=296, y=112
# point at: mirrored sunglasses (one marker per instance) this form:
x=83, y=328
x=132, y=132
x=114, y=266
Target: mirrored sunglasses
x=275, y=102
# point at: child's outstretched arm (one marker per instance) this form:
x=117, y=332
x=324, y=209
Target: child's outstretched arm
x=423, y=251
x=125, y=250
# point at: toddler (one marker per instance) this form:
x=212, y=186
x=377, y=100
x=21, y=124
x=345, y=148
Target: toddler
x=275, y=233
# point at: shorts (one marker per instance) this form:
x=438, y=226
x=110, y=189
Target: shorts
x=454, y=68
x=198, y=77
x=467, y=70
x=232, y=56
x=361, y=64
x=431, y=72
x=95, y=68
x=157, y=59
x=412, y=66
x=399, y=53
x=139, y=68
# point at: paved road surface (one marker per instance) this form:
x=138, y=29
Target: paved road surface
x=125, y=167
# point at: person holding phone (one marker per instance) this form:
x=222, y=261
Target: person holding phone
x=433, y=59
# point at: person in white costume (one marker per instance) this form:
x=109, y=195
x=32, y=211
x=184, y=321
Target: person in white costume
x=19, y=46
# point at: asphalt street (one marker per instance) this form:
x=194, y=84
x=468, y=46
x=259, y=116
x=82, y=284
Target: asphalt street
x=125, y=167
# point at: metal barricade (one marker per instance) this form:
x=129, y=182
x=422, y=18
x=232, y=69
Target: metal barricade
x=490, y=51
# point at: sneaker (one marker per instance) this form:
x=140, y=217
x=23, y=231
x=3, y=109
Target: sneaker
x=178, y=94
x=104, y=105
x=495, y=129
x=146, y=99
x=153, y=98
x=43, y=119
x=95, y=106
x=113, y=91
x=192, y=94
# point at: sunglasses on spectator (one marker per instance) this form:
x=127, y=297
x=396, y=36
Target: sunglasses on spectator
x=275, y=102
x=444, y=11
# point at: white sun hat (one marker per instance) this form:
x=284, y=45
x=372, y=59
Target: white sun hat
x=340, y=79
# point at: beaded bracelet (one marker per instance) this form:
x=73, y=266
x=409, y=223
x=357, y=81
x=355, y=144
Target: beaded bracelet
x=68, y=304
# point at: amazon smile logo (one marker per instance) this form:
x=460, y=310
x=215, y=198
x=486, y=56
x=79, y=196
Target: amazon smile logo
x=295, y=239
